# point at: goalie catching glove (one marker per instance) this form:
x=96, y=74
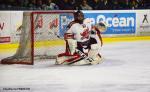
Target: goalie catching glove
x=101, y=26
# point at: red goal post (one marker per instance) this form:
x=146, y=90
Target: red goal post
x=41, y=36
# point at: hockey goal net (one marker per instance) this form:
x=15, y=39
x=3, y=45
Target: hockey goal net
x=41, y=36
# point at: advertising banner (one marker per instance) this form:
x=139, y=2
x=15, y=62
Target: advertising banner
x=5, y=26
x=64, y=19
x=16, y=19
x=10, y=21
x=143, y=22
x=47, y=26
x=117, y=23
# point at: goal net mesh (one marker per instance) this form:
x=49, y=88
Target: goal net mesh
x=41, y=37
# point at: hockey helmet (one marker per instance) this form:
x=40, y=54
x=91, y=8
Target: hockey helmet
x=79, y=16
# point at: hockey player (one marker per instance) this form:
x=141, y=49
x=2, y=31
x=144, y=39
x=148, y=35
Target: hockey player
x=83, y=42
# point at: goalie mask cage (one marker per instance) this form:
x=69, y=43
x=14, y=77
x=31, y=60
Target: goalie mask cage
x=40, y=37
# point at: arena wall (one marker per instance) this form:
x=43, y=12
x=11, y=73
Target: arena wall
x=120, y=23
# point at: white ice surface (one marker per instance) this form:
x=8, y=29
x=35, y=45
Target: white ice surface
x=126, y=68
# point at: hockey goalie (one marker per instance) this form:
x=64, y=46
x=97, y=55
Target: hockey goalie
x=83, y=42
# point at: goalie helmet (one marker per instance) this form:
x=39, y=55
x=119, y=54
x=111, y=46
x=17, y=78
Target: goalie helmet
x=79, y=16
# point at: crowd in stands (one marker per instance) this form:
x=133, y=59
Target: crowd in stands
x=74, y=4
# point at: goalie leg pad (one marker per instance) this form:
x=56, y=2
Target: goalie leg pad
x=94, y=54
x=71, y=60
x=93, y=51
x=97, y=60
x=72, y=44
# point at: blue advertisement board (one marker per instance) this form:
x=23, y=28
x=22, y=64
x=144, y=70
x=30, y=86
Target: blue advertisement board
x=64, y=20
x=117, y=23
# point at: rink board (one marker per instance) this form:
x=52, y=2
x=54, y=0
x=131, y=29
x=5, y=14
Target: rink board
x=106, y=40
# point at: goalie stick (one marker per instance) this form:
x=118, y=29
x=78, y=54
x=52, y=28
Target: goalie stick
x=83, y=56
x=87, y=58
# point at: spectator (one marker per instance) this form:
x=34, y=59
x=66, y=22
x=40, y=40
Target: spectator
x=95, y=4
x=84, y=5
x=107, y=4
x=147, y=4
x=125, y=4
x=101, y=5
x=2, y=5
x=73, y=4
x=39, y=4
x=116, y=5
x=65, y=5
x=32, y=5
x=77, y=4
x=134, y=4
x=22, y=3
x=9, y=4
x=142, y=4
x=50, y=5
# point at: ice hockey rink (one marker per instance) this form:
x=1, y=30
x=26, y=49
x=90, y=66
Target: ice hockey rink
x=125, y=68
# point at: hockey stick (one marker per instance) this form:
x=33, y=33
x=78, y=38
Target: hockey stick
x=84, y=55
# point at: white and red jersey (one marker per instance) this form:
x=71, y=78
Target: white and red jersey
x=81, y=32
